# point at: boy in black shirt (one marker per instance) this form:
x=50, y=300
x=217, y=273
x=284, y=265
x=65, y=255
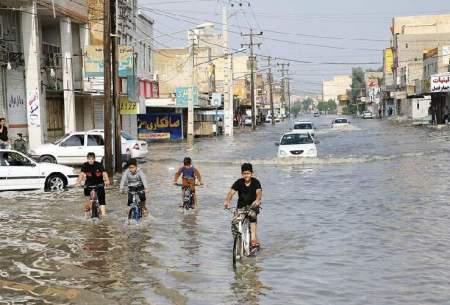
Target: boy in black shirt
x=250, y=192
x=95, y=174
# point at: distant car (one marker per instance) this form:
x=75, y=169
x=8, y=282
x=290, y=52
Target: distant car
x=367, y=115
x=297, y=145
x=269, y=119
x=248, y=121
x=303, y=126
x=277, y=119
x=20, y=172
x=73, y=148
x=316, y=114
x=340, y=123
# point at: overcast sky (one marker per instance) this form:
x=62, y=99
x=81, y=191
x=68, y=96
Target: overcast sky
x=332, y=35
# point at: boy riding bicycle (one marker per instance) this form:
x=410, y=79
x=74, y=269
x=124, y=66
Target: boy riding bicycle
x=95, y=175
x=136, y=181
x=250, y=193
x=189, y=175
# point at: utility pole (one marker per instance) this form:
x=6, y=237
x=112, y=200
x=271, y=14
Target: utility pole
x=289, y=94
x=116, y=86
x=270, y=79
x=228, y=103
x=252, y=71
x=190, y=131
x=107, y=126
x=283, y=82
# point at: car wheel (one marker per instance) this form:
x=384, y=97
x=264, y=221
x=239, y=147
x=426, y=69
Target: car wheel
x=47, y=159
x=55, y=182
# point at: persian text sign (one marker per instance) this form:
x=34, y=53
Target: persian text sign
x=184, y=94
x=93, y=61
x=160, y=126
x=440, y=83
x=33, y=108
x=125, y=61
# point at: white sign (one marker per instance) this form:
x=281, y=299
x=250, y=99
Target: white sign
x=440, y=83
x=216, y=99
x=33, y=108
x=15, y=98
x=446, y=55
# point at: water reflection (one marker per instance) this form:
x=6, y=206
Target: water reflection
x=247, y=286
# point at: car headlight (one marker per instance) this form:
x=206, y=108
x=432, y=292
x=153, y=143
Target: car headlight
x=283, y=153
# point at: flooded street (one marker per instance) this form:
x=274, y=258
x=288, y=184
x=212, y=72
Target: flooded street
x=364, y=223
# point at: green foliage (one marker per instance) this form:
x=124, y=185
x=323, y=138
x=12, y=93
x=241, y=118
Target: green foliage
x=329, y=106
x=351, y=109
x=358, y=83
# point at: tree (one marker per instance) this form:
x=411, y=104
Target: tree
x=329, y=106
x=358, y=83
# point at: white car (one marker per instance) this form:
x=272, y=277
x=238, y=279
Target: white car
x=137, y=148
x=19, y=172
x=295, y=144
x=316, y=114
x=73, y=148
x=248, y=121
x=304, y=126
x=340, y=123
x=367, y=115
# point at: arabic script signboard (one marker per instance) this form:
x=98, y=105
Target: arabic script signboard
x=440, y=83
x=162, y=126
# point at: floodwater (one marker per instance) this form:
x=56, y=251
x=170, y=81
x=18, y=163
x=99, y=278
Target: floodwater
x=367, y=222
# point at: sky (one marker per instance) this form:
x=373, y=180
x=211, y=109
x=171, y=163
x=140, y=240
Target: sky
x=319, y=38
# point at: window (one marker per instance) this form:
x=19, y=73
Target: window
x=75, y=140
x=95, y=140
x=15, y=159
x=294, y=139
x=303, y=126
x=127, y=136
x=340, y=121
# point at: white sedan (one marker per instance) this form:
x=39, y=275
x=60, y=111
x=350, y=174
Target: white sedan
x=340, y=123
x=74, y=147
x=304, y=126
x=19, y=172
x=367, y=115
x=294, y=144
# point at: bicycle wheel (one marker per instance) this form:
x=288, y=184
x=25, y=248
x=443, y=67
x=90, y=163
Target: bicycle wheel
x=94, y=210
x=245, y=237
x=237, y=249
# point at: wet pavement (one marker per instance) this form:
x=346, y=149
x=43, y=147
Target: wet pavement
x=364, y=223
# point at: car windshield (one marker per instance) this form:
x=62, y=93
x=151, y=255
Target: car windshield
x=60, y=139
x=303, y=126
x=294, y=139
x=127, y=136
x=340, y=121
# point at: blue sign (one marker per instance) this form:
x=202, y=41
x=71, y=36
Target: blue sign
x=216, y=99
x=160, y=126
x=183, y=94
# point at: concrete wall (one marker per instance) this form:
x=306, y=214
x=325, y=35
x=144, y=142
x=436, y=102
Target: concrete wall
x=337, y=86
x=421, y=24
x=174, y=69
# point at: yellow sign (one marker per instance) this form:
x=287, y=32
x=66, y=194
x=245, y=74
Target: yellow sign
x=127, y=107
x=388, y=61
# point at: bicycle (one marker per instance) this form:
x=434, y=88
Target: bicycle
x=135, y=207
x=188, y=197
x=240, y=228
x=93, y=198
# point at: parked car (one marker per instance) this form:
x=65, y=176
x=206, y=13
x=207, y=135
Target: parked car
x=20, y=172
x=340, y=123
x=316, y=114
x=295, y=144
x=302, y=126
x=367, y=115
x=248, y=121
x=73, y=148
x=137, y=148
x=277, y=119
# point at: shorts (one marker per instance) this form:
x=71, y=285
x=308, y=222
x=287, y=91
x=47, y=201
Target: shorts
x=141, y=194
x=253, y=217
x=100, y=194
